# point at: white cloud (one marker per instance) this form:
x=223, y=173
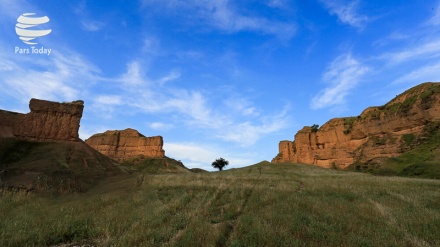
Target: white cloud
x=241, y=106
x=160, y=126
x=87, y=23
x=391, y=39
x=201, y=156
x=191, y=152
x=196, y=111
x=428, y=73
x=424, y=50
x=108, y=100
x=221, y=15
x=247, y=133
x=343, y=74
x=347, y=12
x=134, y=75
x=277, y=3
x=151, y=45
x=13, y=8
x=92, y=26
x=173, y=75
x=65, y=76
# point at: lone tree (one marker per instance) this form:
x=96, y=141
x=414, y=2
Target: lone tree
x=220, y=163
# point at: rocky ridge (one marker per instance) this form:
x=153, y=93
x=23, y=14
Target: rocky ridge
x=122, y=145
x=378, y=132
x=47, y=121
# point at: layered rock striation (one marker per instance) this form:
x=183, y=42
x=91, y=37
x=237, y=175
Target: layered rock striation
x=47, y=121
x=385, y=131
x=122, y=145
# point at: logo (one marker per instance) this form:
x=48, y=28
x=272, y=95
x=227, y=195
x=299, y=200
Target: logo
x=26, y=28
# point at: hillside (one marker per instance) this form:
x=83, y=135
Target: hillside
x=401, y=135
x=150, y=166
x=260, y=205
x=62, y=167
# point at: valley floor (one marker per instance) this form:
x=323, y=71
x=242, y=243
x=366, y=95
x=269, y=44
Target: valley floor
x=260, y=205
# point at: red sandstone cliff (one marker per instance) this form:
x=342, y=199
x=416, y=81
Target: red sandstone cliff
x=385, y=131
x=47, y=121
x=124, y=144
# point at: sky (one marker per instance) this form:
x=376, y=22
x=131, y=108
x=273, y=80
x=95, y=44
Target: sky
x=217, y=78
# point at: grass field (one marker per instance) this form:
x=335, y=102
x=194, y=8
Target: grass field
x=260, y=205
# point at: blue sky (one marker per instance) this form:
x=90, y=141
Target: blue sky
x=219, y=78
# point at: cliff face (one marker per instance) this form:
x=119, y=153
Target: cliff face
x=124, y=144
x=385, y=131
x=47, y=121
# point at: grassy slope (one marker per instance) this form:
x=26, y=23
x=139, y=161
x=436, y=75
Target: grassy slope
x=261, y=205
x=68, y=166
x=155, y=165
x=53, y=166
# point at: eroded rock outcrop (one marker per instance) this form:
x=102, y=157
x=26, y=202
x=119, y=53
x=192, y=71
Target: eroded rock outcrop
x=125, y=144
x=47, y=121
x=41, y=151
x=385, y=131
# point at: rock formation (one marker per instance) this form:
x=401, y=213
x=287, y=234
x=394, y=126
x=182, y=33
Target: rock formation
x=41, y=151
x=47, y=121
x=385, y=131
x=125, y=144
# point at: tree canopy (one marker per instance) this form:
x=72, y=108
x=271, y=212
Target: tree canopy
x=220, y=163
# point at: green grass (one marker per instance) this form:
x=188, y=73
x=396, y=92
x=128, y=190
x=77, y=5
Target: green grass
x=260, y=205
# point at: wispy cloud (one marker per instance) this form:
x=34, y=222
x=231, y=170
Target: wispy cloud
x=427, y=73
x=134, y=75
x=222, y=15
x=92, y=26
x=173, y=75
x=151, y=45
x=63, y=78
x=347, y=12
x=236, y=121
x=343, y=74
x=247, y=133
x=87, y=23
x=423, y=50
x=277, y=3
x=12, y=8
x=109, y=99
x=241, y=106
x=160, y=126
x=391, y=39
